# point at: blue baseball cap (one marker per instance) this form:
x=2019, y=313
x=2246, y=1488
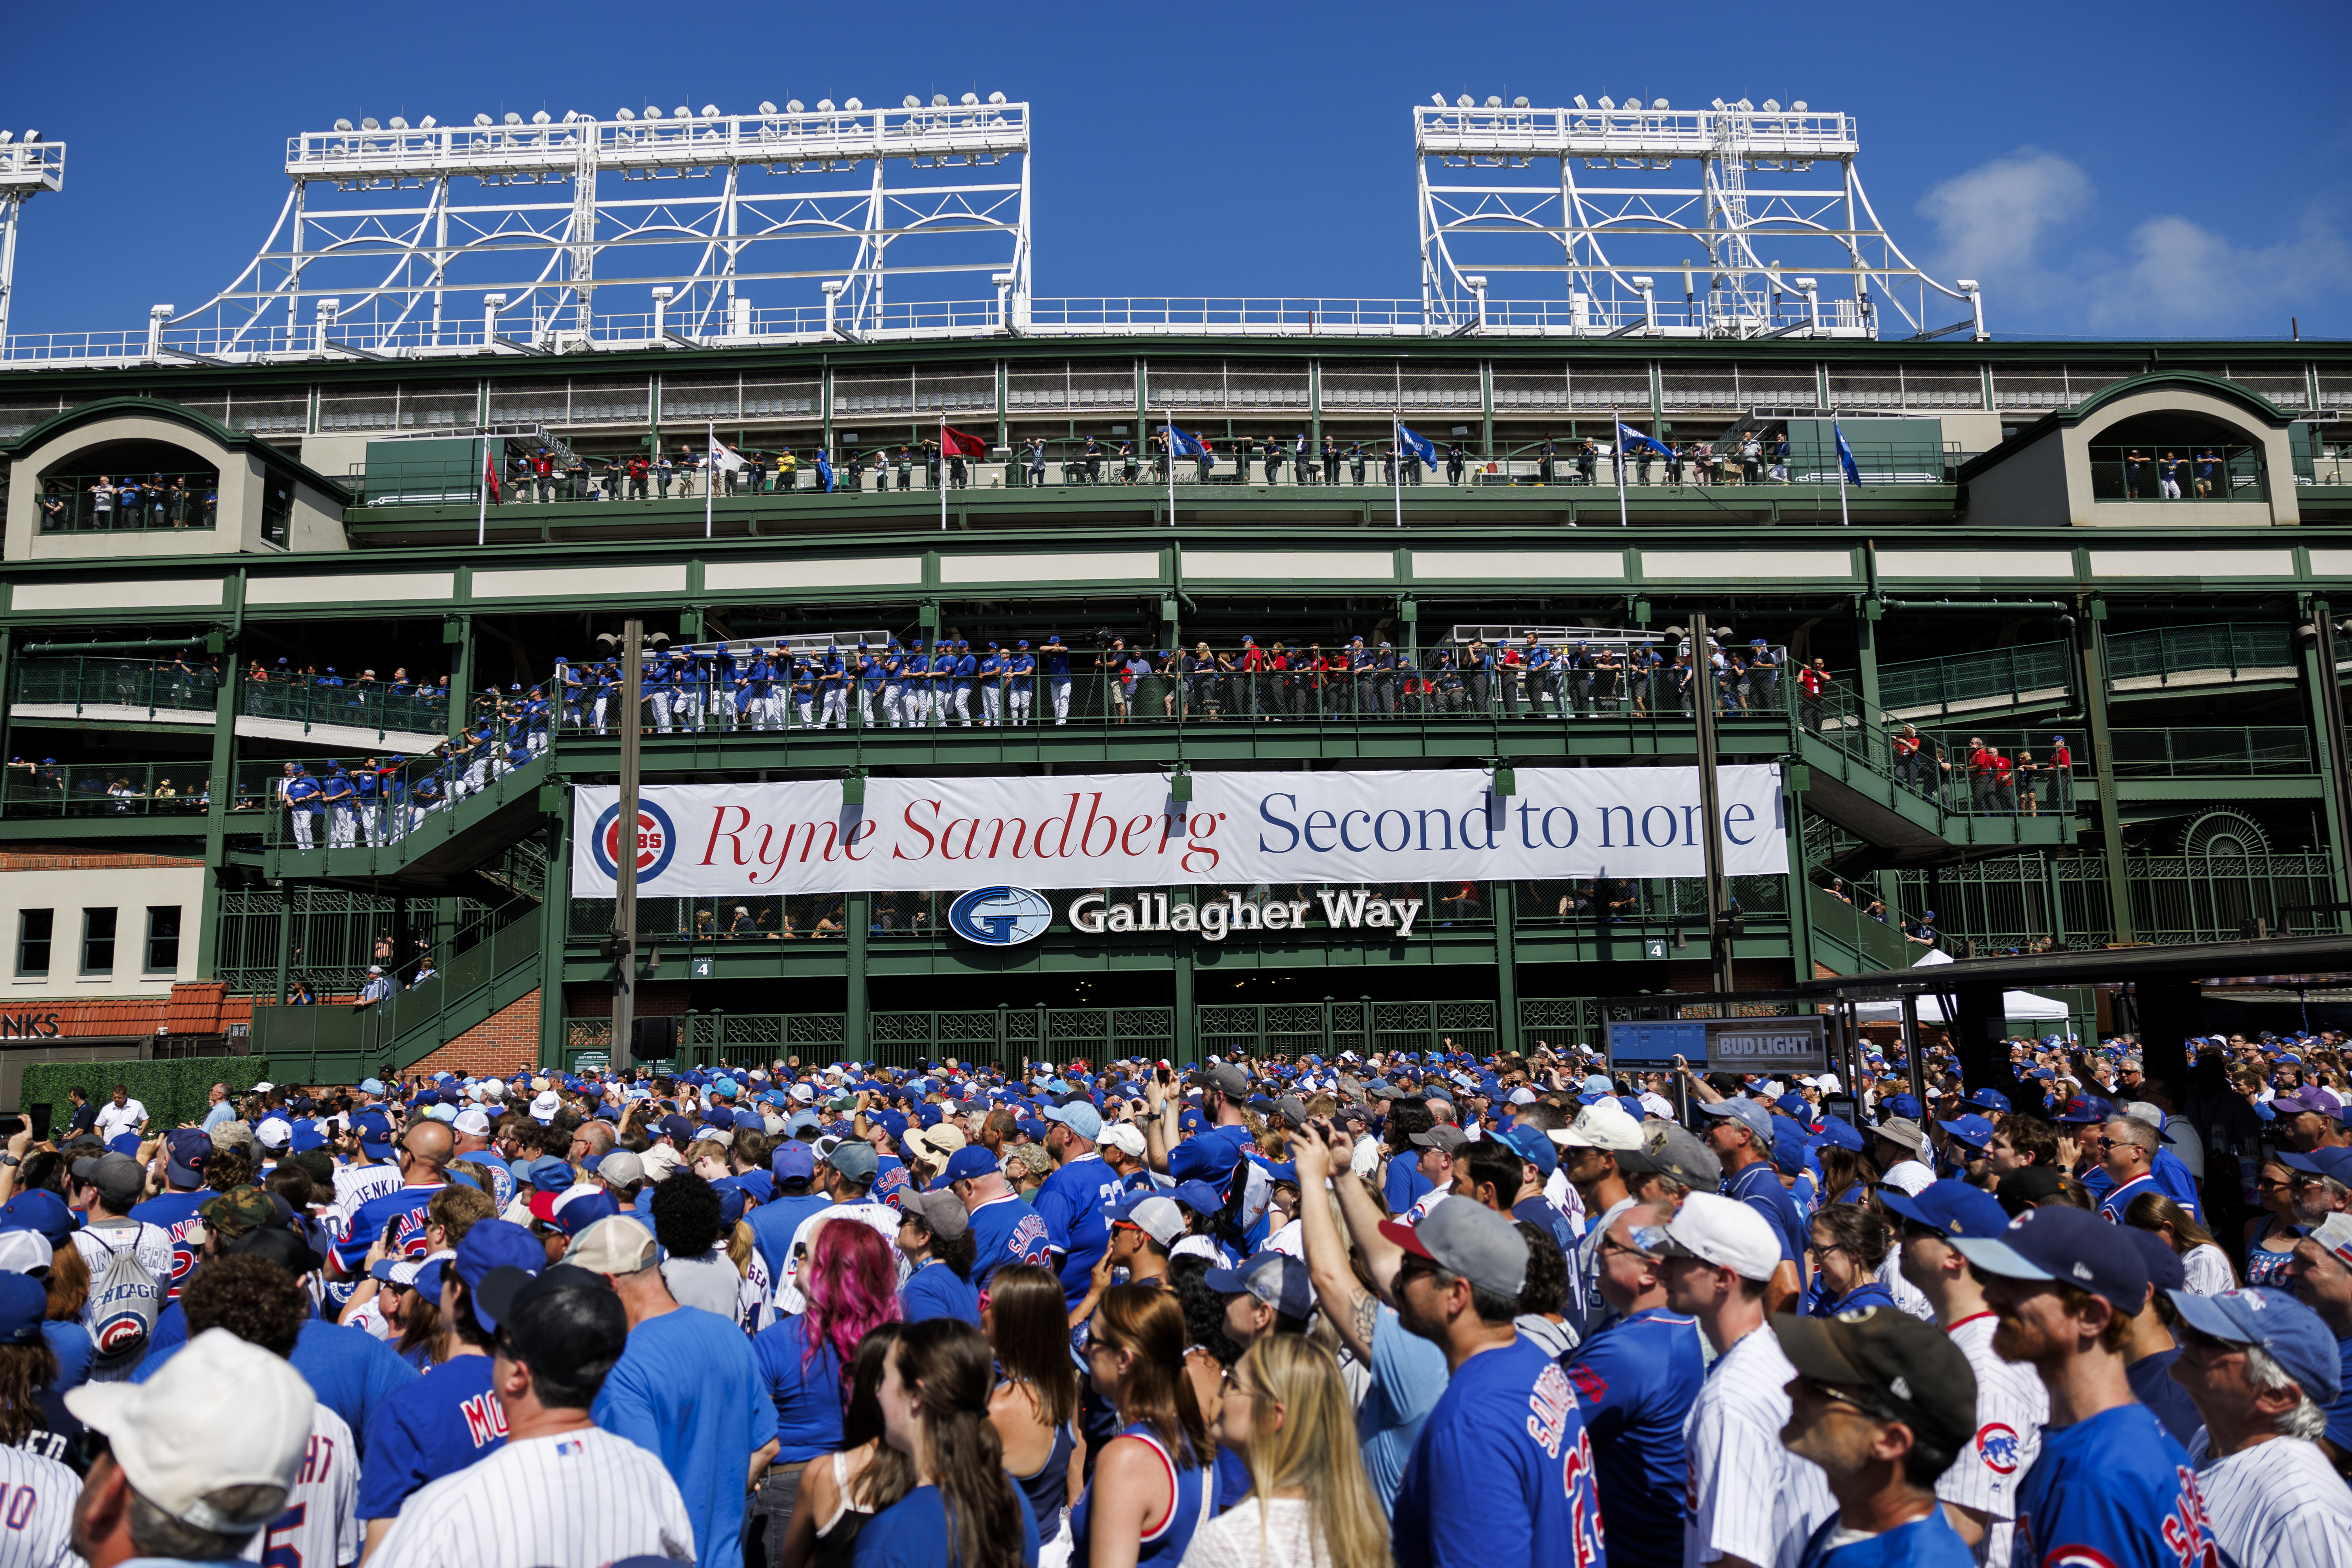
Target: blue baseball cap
x=550, y=1174
x=2332, y=1163
x=1533, y=1145
x=495, y=1243
x=1078, y=1115
x=1904, y=1105
x=1276, y=1278
x=1837, y=1134
x=1790, y=1146
x=1990, y=1100
x=1951, y=1208
x=23, y=1304
x=967, y=1162
x=1974, y=1132
x=191, y=1151
x=2271, y=1321
x=1197, y=1196
x=41, y=1212
x=2165, y=1270
x=2068, y=1245
x=794, y=1161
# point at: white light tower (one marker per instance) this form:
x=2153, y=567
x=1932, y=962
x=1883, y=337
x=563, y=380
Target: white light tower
x=406, y=225
x=1594, y=196
x=28, y=167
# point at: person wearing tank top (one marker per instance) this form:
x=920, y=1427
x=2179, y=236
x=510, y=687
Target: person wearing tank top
x=1152, y=1486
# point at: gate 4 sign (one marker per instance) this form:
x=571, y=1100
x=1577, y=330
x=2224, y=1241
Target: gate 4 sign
x=657, y=841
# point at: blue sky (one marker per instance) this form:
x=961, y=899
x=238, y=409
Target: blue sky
x=2158, y=169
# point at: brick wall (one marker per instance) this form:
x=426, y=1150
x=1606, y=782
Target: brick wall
x=656, y=999
x=503, y=1043
x=48, y=859
x=1692, y=976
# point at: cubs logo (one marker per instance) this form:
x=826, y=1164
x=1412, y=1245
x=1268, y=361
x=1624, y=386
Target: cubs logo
x=1997, y=1446
x=656, y=840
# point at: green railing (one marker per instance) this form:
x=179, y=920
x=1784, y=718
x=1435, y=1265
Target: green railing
x=2241, y=648
x=375, y=801
x=472, y=984
x=2178, y=474
x=1990, y=677
x=106, y=789
x=1938, y=769
x=2028, y=903
x=177, y=687
x=1874, y=944
x=2226, y=750
x=360, y=704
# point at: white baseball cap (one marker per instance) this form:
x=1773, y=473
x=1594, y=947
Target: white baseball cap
x=472, y=1122
x=1719, y=1230
x=546, y=1105
x=1158, y=1218
x=1603, y=1124
x=1126, y=1137
x=178, y=1464
x=275, y=1132
x=24, y=1251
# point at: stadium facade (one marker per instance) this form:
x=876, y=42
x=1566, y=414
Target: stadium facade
x=1987, y=545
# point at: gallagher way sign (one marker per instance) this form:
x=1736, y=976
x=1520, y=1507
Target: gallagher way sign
x=1113, y=830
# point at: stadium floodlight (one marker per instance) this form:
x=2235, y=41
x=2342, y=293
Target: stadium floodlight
x=939, y=101
x=481, y=120
x=681, y=113
x=911, y=102
x=971, y=100
x=996, y=98
x=1462, y=102
x=427, y=123
x=1493, y=100
x=514, y=119
x=1756, y=185
x=1772, y=106
x=766, y=107
x=1520, y=101
x=854, y=105
x=1578, y=101
x=343, y=125
x=370, y=124
x=824, y=106
x=709, y=112
x=1797, y=107
x=398, y=123
x=1438, y=99
x=653, y=111
x=542, y=117
x=791, y=106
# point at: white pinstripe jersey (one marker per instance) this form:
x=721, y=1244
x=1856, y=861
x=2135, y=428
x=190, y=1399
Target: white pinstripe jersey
x=2278, y=1504
x=320, y=1524
x=1750, y=1498
x=37, y=1507
x=578, y=1501
x=2013, y=1407
x=356, y=1184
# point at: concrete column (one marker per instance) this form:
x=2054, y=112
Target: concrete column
x=2111, y=828
x=554, y=926
x=857, y=919
x=1505, y=899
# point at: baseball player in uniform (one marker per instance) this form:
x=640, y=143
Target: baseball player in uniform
x=1021, y=669
x=1979, y=1489
x=2262, y=1369
x=1749, y=1497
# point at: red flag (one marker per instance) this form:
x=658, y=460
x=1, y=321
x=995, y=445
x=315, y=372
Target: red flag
x=955, y=443
x=490, y=471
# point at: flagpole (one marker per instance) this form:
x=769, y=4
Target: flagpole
x=482, y=517
x=1167, y=446
x=1617, y=459
x=709, y=472
x=1837, y=434
x=1396, y=462
x=942, y=472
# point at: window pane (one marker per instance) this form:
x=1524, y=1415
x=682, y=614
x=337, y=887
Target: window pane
x=98, y=941
x=34, y=929
x=163, y=939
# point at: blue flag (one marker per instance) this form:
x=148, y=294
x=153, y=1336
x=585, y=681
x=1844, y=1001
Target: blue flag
x=824, y=474
x=1631, y=441
x=1845, y=455
x=1418, y=445
x=1180, y=444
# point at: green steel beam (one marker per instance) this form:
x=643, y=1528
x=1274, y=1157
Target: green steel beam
x=2102, y=765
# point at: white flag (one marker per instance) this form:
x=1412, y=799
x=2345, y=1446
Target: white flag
x=721, y=458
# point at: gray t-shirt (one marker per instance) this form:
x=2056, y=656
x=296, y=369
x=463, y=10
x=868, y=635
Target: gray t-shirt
x=709, y=1282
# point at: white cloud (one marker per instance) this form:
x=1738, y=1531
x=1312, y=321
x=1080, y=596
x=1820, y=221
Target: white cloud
x=2007, y=222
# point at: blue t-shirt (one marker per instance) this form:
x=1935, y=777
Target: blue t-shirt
x=1636, y=1381
x=1405, y=1184
x=2153, y=1386
x=1870, y=1294
x=2339, y=1414
x=1758, y=1186
x=1928, y=1542
x=805, y=1390
x=687, y=1391
x=435, y=1426
x=1502, y=1475
x=936, y=1291
x=70, y=1344
x=772, y=1224
x=1408, y=1377
x=1007, y=1231
x=350, y=1370
x=913, y=1534
x=2114, y=1490
x=1071, y=1204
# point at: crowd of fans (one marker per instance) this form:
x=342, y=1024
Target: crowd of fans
x=1411, y=1308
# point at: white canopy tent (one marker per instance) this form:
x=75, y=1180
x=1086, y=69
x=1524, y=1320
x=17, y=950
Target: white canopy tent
x=2014, y=1004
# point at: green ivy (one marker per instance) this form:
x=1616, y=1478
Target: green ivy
x=173, y=1090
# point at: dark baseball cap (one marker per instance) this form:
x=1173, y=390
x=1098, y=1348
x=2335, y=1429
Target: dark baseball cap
x=1900, y=1368
x=1276, y=1278
x=1950, y=1208
x=191, y=1151
x=1224, y=1077
x=2165, y=1270
x=2067, y=1245
x=2022, y=1189
x=491, y=1245
x=561, y=1317
x=117, y=1177
x=279, y=1245
x=1468, y=1239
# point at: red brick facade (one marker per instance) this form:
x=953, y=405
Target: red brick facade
x=505, y=1042
x=53, y=859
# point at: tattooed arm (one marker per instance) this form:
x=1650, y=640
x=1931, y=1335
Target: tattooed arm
x=1354, y=1312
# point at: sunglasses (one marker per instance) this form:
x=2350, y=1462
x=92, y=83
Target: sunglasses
x=1836, y=1396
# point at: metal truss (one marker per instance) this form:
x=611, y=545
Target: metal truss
x=27, y=169
x=1616, y=197
x=398, y=239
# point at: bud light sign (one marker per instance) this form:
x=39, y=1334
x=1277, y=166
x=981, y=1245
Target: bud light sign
x=999, y=916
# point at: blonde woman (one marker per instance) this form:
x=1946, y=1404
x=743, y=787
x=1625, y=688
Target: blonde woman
x=1285, y=1411
x=2201, y=1258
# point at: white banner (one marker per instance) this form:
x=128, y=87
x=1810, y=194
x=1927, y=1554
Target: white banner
x=1124, y=830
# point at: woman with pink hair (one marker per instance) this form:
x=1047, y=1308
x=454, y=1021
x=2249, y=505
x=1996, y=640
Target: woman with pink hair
x=851, y=1282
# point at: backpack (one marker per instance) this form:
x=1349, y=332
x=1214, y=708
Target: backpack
x=124, y=1302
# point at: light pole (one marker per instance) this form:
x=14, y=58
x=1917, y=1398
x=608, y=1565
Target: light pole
x=625, y=844
x=1710, y=806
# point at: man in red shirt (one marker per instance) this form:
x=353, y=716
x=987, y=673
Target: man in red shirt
x=1253, y=684
x=1813, y=680
x=2062, y=774
x=1981, y=782
x=2004, y=784
x=1906, y=756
